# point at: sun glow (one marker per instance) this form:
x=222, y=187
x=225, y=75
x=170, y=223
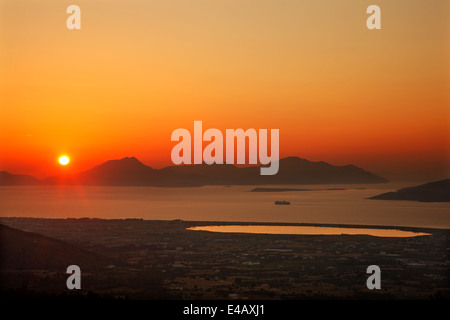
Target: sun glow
x=64, y=160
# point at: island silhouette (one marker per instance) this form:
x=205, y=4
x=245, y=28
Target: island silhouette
x=437, y=191
x=131, y=172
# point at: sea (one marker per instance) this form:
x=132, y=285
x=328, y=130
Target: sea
x=341, y=204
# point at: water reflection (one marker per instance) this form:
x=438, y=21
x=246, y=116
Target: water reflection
x=307, y=230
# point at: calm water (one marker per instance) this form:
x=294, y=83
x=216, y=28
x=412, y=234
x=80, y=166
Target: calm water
x=220, y=203
x=304, y=230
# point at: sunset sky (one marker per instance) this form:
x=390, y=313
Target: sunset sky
x=139, y=69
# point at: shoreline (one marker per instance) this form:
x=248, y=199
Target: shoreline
x=198, y=223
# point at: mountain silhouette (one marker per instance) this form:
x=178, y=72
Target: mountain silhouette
x=292, y=170
x=125, y=172
x=9, y=179
x=437, y=191
x=23, y=250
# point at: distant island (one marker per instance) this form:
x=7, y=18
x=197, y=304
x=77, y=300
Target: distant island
x=9, y=179
x=438, y=191
x=132, y=172
x=291, y=189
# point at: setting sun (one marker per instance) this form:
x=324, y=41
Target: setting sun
x=64, y=160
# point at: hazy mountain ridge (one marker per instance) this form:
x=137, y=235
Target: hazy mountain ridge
x=9, y=179
x=292, y=170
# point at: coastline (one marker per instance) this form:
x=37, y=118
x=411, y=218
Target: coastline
x=194, y=223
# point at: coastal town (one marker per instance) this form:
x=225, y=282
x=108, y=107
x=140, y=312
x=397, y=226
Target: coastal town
x=164, y=260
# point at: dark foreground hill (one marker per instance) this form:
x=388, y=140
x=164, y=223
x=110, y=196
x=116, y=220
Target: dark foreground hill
x=438, y=191
x=292, y=170
x=21, y=250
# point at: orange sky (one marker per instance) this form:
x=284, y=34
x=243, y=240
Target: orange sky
x=138, y=70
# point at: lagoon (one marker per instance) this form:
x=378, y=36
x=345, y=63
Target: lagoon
x=309, y=230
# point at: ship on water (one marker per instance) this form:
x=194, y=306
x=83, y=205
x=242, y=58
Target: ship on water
x=282, y=202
